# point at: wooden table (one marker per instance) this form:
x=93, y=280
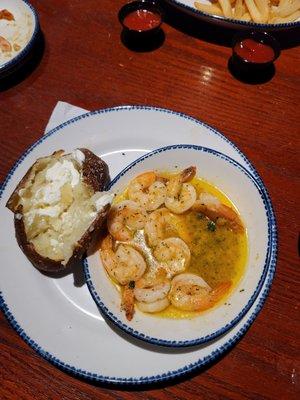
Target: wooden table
x=85, y=63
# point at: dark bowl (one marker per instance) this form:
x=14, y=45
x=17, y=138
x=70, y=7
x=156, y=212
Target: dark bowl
x=260, y=37
x=149, y=5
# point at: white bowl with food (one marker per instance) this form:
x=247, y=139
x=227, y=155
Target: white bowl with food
x=189, y=241
x=19, y=28
x=244, y=14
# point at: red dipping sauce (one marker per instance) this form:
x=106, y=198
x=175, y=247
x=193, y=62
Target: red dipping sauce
x=142, y=20
x=254, y=52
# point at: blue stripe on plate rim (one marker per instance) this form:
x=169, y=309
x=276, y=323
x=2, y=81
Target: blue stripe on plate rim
x=170, y=375
x=14, y=61
x=271, y=232
x=237, y=22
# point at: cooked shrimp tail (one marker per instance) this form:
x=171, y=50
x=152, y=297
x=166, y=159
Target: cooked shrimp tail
x=212, y=208
x=188, y=174
x=127, y=304
x=220, y=291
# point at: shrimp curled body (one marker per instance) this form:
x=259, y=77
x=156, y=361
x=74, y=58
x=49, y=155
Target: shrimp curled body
x=124, y=219
x=126, y=264
x=151, y=291
x=147, y=191
x=173, y=255
x=181, y=195
x=157, y=225
x=189, y=292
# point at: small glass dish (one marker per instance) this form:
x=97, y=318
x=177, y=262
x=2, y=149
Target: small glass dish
x=254, y=50
x=141, y=19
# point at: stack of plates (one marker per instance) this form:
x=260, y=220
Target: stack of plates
x=57, y=316
x=21, y=33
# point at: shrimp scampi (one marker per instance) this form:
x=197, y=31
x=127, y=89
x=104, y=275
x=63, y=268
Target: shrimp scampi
x=151, y=291
x=172, y=246
x=189, y=292
x=173, y=254
x=157, y=225
x=147, y=191
x=124, y=219
x=180, y=194
x=125, y=264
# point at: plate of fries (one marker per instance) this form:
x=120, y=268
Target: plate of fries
x=266, y=14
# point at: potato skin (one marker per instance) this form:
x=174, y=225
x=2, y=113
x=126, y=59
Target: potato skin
x=95, y=171
x=95, y=174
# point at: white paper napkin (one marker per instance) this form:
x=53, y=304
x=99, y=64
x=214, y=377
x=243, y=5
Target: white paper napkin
x=63, y=112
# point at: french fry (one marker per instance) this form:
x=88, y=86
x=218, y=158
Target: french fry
x=281, y=20
x=288, y=8
x=239, y=9
x=254, y=11
x=282, y=3
x=226, y=8
x=263, y=7
x=246, y=17
x=209, y=8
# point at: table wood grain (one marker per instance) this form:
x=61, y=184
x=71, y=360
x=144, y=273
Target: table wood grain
x=85, y=63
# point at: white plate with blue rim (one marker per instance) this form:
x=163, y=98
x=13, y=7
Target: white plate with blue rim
x=57, y=317
x=19, y=28
x=249, y=196
x=188, y=6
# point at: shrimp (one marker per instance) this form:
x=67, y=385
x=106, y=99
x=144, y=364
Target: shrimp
x=153, y=307
x=189, y=292
x=157, y=225
x=5, y=46
x=147, y=191
x=211, y=207
x=173, y=255
x=162, y=223
x=151, y=288
x=123, y=265
x=124, y=219
x=180, y=195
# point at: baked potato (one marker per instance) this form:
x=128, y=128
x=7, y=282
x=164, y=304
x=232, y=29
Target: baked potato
x=59, y=207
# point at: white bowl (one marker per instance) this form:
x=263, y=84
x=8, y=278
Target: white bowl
x=249, y=195
x=188, y=7
x=27, y=23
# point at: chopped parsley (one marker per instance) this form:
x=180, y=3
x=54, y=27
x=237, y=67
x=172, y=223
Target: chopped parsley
x=211, y=226
x=131, y=285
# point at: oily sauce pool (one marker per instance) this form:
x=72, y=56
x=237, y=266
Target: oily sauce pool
x=218, y=254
